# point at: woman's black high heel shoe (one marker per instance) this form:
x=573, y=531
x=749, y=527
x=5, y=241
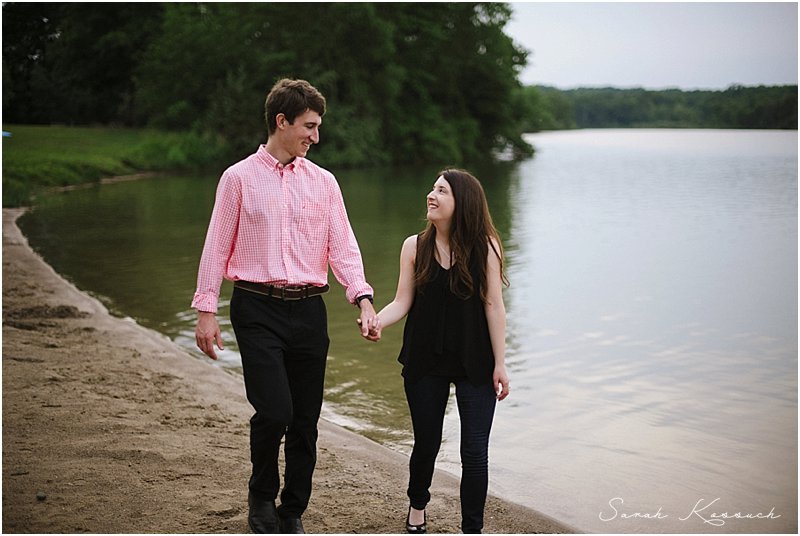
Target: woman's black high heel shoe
x=415, y=529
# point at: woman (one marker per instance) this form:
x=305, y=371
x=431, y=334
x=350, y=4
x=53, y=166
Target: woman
x=451, y=278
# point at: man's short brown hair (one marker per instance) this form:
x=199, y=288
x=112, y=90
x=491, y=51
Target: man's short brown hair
x=291, y=98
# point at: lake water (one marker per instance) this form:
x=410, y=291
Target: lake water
x=652, y=316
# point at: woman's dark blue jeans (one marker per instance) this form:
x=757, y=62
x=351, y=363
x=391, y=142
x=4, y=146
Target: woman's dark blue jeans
x=427, y=401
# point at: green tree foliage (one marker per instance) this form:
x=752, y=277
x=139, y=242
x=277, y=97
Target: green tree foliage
x=736, y=107
x=405, y=82
x=28, y=29
x=543, y=108
x=73, y=62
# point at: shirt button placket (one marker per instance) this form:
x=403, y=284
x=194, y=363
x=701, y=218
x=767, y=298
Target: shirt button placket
x=286, y=221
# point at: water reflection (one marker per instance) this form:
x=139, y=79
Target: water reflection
x=652, y=326
x=652, y=315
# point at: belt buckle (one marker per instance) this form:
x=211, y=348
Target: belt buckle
x=289, y=293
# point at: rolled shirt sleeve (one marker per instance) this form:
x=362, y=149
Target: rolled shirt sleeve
x=219, y=243
x=345, y=255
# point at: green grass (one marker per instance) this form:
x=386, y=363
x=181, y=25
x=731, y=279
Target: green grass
x=40, y=157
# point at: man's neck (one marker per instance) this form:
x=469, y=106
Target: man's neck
x=274, y=148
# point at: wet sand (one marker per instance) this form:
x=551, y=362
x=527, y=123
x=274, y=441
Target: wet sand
x=109, y=427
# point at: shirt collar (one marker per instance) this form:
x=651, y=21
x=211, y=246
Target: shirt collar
x=273, y=162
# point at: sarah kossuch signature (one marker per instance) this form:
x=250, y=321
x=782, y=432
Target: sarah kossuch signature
x=701, y=510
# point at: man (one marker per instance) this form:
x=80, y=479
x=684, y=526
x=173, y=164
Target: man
x=278, y=221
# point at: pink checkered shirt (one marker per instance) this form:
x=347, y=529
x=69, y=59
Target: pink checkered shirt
x=281, y=225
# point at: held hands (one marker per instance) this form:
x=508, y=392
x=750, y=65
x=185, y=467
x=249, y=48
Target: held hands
x=369, y=322
x=373, y=333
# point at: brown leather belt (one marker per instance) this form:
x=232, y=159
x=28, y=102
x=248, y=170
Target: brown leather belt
x=282, y=293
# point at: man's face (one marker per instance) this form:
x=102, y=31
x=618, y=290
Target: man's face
x=298, y=137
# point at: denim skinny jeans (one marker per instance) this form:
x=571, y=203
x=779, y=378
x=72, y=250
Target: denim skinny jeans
x=427, y=401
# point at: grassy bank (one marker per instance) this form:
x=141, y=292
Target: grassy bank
x=39, y=157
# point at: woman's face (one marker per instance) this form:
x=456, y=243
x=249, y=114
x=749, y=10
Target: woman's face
x=441, y=203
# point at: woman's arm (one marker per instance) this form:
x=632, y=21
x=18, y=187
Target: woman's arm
x=404, y=296
x=496, y=318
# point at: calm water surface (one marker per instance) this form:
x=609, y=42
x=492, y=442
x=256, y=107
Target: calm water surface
x=652, y=316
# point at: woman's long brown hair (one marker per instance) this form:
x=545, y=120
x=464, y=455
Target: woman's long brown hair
x=471, y=233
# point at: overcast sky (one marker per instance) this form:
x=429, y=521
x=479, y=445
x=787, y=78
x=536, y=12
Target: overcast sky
x=657, y=45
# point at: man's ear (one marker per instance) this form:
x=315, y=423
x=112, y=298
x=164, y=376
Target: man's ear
x=280, y=120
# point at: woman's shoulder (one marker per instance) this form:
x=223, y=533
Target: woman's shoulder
x=494, y=253
x=410, y=243
x=409, y=250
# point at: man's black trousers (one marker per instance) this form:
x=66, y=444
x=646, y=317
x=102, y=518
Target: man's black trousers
x=284, y=348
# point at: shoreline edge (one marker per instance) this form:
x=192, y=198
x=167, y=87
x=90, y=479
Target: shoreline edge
x=110, y=427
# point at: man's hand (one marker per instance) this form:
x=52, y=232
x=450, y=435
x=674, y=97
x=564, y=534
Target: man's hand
x=207, y=333
x=369, y=321
x=374, y=334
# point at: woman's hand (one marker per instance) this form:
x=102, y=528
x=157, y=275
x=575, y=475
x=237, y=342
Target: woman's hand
x=374, y=333
x=500, y=382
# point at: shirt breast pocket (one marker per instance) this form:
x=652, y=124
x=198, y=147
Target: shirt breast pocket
x=312, y=220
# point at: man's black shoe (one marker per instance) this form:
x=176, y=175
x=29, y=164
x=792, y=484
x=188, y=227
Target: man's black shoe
x=292, y=525
x=263, y=516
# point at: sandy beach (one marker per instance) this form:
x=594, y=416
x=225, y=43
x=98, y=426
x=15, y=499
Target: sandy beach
x=109, y=427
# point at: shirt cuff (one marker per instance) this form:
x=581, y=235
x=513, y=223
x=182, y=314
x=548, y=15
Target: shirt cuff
x=354, y=291
x=205, y=302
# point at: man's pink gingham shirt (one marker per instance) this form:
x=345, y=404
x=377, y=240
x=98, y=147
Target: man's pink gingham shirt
x=281, y=225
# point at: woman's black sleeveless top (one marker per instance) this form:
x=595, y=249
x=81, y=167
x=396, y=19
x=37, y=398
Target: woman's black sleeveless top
x=446, y=335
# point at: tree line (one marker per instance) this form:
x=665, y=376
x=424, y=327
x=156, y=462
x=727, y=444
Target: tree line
x=405, y=82
x=762, y=107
